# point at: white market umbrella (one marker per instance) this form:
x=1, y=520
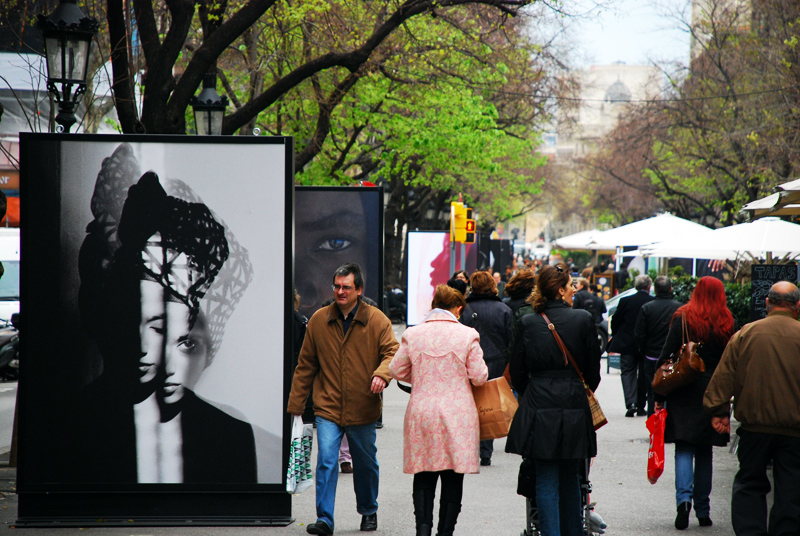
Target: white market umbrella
x=643, y=232
x=581, y=240
x=762, y=238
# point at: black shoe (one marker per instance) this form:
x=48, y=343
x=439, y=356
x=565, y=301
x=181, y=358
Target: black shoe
x=705, y=521
x=486, y=461
x=682, y=519
x=369, y=523
x=631, y=411
x=379, y=425
x=320, y=527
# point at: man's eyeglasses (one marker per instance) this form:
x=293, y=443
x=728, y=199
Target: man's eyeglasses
x=337, y=288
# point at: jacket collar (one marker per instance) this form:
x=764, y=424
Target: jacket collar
x=552, y=304
x=478, y=297
x=361, y=314
x=780, y=312
x=440, y=314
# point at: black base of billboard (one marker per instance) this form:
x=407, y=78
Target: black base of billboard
x=36, y=510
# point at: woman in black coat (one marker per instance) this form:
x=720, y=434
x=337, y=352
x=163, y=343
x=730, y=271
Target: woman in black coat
x=710, y=324
x=492, y=319
x=553, y=425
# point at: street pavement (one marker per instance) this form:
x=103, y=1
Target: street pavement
x=629, y=504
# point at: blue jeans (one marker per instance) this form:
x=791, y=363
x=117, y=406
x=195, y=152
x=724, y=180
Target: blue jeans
x=693, y=481
x=558, y=498
x=365, y=467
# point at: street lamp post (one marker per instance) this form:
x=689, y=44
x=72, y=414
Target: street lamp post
x=68, y=35
x=209, y=108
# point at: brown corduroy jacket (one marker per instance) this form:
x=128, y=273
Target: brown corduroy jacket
x=760, y=370
x=341, y=367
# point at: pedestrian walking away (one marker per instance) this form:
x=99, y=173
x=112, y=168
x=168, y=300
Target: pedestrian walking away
x=623, y=322
x=651, y=330
x=519, y=289
x=710, y=324
x=493, y=320
x=440, y=358
x=345, y=355
x=553, y=425
x=760, y=369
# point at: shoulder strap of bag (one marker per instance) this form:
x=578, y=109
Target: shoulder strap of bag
x=685, y=334
x=562, y=346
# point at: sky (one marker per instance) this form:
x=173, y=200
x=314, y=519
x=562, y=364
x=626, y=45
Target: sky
x=632, y=31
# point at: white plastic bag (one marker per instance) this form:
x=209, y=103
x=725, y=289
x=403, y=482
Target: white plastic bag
x=298, y=475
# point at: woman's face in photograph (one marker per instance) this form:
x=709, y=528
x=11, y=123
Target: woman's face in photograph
x=151, y=330
x=167, y=340
x=186, y=351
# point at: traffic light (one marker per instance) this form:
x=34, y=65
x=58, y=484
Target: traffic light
x=458, y=222
x=469, y=228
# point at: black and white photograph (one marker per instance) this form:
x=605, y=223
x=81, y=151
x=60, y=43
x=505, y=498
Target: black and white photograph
x=168, y=323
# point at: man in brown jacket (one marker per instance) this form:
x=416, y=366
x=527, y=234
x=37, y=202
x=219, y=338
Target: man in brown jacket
x=346, y=355
x=761, y=370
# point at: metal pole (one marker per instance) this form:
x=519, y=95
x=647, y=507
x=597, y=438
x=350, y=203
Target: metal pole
x=463, y=256
x=452, y=257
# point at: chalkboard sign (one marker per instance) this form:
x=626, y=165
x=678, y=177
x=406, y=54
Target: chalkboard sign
x=763, y=277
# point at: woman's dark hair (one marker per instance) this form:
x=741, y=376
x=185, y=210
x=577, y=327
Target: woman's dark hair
x=548, y=281
x=483, y=284
x=446, y=297
x=521, y=285
x=462, y=272
x=458, y=284
x=707, y=312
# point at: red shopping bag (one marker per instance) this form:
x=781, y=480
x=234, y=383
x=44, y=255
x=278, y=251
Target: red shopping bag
x=655, y=455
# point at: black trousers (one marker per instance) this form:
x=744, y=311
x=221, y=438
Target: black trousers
x=634, y=381
x=649, y=374
x=751, y=485
x=452, y=484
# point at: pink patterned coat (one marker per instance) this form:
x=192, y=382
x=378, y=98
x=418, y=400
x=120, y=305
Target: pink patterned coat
x=439, y=358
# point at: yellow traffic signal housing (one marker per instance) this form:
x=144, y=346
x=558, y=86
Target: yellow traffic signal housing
x=470, y=232
x=458, y=222
x=469, y=228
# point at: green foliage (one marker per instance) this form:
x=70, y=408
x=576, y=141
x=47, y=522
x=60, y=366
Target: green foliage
x=738, y=296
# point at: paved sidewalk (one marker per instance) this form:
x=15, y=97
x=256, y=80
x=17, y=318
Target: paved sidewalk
x=627, y=501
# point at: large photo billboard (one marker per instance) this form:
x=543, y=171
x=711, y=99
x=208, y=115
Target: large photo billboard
x=429, y=266
x=334, y=226
x=156, y=289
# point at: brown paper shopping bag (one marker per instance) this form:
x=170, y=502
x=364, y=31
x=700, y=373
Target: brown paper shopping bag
x=496, y=406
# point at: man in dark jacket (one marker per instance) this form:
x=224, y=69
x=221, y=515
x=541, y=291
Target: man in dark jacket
x=493, y=320
x=631, y=360
x=587, y=300
x=651, y=330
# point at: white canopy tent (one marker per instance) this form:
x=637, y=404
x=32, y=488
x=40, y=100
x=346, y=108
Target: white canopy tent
x=764, y=238
x=643, y=232
x=784, y=202
x=581, y=240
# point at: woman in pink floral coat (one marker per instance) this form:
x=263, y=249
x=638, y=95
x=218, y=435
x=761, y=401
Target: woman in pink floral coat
x=441, y=432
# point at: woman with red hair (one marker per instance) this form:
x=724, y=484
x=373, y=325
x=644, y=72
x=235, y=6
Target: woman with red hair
x=710, y=324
